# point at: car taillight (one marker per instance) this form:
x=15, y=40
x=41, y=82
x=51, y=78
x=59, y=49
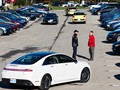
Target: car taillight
x=22, y=70
x=12, y=21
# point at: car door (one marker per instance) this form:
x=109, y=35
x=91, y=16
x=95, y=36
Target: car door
x=51, y=65
x=71, y=67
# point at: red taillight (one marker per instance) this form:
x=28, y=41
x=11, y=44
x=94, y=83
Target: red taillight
x=22, y=70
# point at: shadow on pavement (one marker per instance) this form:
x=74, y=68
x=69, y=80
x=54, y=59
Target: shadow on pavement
x=112, y=53
x=117, y=76
x=5, y=86
x=117, y=64
x=107, y=42
x=83, y=57
x=14, y=52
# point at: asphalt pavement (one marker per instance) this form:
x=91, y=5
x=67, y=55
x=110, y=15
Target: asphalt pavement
x=37, y=37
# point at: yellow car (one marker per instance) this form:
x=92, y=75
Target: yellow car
x=79, y=17
x=70, y=10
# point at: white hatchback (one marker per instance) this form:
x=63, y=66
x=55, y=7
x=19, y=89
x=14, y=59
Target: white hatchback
x=44, y=69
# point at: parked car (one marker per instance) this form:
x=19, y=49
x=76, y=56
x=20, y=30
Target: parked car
x=10, y=20
x=107, y=9
x=113, y=25
x=97, y=10
x=41, y=7
x=116, y=47
x=17, y=14
x=107, y=20
x=116, y=26
x=9, y=24
x=109, y=14
x=79, y=17
x=70, y=10
x=109, y=24
x=14, y=18
x=27, y=14
x=70, y=3
x=36, y=10
x=114, y=36
x=96, y=6
x=44, y=69
x=50, y=18
x=56, y=3
x=5, y=29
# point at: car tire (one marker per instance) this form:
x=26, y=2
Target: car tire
x=85, y=22
x=118, y=38
x=85, y=75
x=1, y=32
x=45, y=82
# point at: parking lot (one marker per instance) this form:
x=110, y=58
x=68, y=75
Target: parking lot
x=37, y=37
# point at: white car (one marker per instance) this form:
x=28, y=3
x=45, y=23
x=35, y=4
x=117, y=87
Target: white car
x=97, y=6
x=44, y=69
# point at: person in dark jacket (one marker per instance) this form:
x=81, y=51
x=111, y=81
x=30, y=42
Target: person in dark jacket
x=91, y=45
x=75, y=43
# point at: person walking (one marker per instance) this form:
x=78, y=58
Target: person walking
x=75, y=43
x=91, y=45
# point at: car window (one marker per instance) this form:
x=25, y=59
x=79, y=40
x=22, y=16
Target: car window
x=65, y=59
x=51, y=60
x=79, y=13
x=27, y=60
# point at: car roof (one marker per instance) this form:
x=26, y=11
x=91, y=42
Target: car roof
x=5, y=13
x=43, y=54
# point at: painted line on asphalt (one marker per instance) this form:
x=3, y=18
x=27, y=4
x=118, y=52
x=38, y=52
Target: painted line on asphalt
x=109, y=65
x=60, y=31
x=112, y=70
x=115, y=85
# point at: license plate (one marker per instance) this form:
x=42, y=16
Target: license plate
x=12, y=80
x=50, y=21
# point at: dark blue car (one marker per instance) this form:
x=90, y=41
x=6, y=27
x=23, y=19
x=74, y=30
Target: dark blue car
x=21, y=21
x=109, y=14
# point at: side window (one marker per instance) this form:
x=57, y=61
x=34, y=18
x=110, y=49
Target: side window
x=51, y=60
x=65, y=59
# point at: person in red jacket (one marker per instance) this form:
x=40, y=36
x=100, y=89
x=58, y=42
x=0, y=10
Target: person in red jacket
x=91, y=45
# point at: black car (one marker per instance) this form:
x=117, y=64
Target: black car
x=114, y=36
x=50, y=18
x=116, y=47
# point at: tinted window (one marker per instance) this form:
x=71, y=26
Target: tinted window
x=79, y=13
x=65, y=59
x=27, y=59
x=51, y=60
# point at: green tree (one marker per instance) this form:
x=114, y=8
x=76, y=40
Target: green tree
x=118, y=1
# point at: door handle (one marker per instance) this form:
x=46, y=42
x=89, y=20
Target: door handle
x=66, y=64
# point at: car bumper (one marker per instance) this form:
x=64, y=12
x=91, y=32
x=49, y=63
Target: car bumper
x=50, y=22
x=18, y=82
x=110, y=38
x=78, y=20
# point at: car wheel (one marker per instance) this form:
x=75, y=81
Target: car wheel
x=118, y=38
x=85, y=75
x=1, y=32
x=45, y=83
